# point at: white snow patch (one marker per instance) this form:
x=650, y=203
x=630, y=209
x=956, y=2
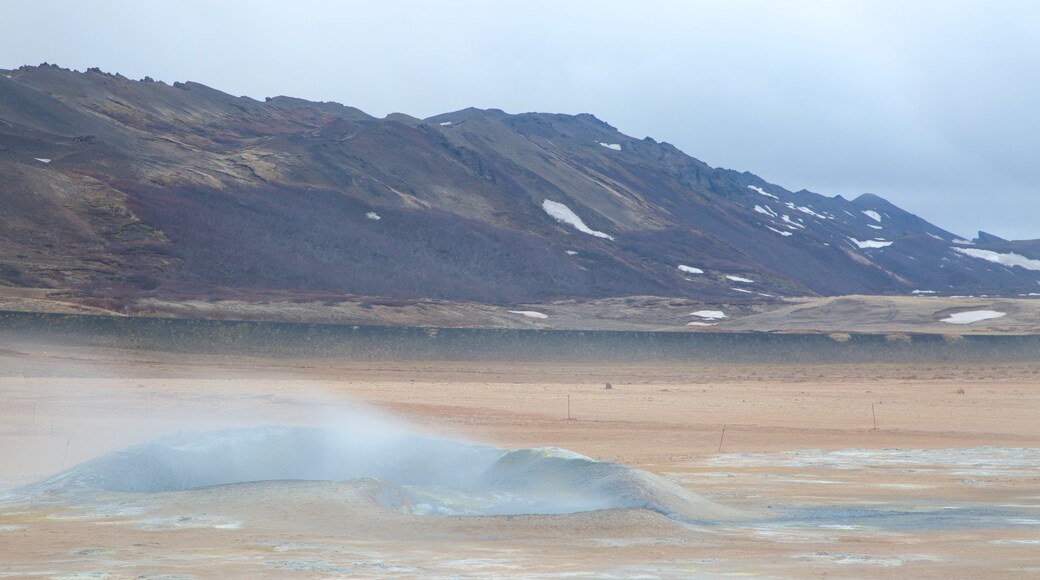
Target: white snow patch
x=690, y=269
x=42, y=160
x=699, y=323
x=934, y=236
x=572, y=253
x=614, y=146
x=973, y=316
x=807, y=210
x=529, y=313
x=762, y=191
x=713, y=314
x=564, y=214
x=924, y=292
x=445, y=123
x=870, y=243
x=782, y=233
x=373, y=216
x=742, y=290
x=739, y=279
x=1009, y=259
x=872, y=215
x=964, y=242
x=876, y=227
x=765, y=210
x=791, y=223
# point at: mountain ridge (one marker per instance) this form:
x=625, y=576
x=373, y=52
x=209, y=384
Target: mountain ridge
x=185, y=190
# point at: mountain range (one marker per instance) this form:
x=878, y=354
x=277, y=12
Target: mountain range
x=118, y=187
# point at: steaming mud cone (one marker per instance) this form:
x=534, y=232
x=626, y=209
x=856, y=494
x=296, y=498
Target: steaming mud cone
x=398, y=471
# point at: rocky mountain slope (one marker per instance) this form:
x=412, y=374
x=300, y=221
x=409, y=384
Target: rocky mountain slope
x=115, y=187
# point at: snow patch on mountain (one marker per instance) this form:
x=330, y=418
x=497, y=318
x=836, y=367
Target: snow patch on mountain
x=1009, y=259
x=782, y=233
x=872, y=215
x=373, y=216
x=765, y=210
x=973, y=316
x=864, y=244
x=563, y=214
x=42, y=159
x=713, y=314
x=739, y=279
x=690, y=269
x=762, y=191
x=529, y=313
x=614, y=146
x=808, y=210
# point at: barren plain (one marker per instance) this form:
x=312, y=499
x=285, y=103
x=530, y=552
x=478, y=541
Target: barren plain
x=839, y=470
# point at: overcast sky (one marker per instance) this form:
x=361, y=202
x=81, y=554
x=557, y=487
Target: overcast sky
x=934, y=105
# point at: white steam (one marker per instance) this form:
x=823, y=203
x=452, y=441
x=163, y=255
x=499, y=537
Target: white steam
x=401, y=471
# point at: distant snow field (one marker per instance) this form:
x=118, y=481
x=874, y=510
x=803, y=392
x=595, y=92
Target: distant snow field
x=445, y=123
x=563, y=214
x=690, y=269
x=571, y=253
x=713, y=314
x=872, y=215
x=863, y=244
x=973, y=316
x=373, y=216
x=782, y=233
x=699, y=323
x=1009, y=259
x=529, y=313
x=762, y=191
x=42, y=160
x=614, y=146
x=739, y=279
x=877, y=227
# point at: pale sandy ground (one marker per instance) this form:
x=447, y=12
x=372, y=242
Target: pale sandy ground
x=974, y=497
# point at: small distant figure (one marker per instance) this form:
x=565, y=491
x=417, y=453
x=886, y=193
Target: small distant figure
x=609, y=386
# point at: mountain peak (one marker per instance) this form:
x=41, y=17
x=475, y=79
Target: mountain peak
x=987, y=238
x=872, y=199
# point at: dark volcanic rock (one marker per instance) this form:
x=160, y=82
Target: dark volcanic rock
x=111, y=185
